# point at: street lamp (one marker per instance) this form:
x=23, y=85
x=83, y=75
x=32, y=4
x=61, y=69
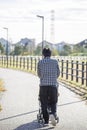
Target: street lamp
x=7, y=44
x=42, y=17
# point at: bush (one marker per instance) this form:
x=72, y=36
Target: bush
x=2, y=86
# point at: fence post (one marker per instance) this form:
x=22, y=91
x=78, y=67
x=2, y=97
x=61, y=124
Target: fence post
x=2, y=60
x=76, y=71
x=67, y=69
x=62, y=68
x=20, y=62
x=16, y=61
x=72, y=70
x=31, y=63
x=27, y=63
x=7, y=61
x=35, y=65
x=10, y=61
x=86, y=73
x=23, y=62
x=13, y=60
x=82, y=73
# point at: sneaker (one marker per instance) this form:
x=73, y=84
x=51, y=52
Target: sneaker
x=56, y=118
x=45, y=124
x=53, y=121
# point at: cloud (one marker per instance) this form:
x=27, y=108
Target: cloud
x=21, y=15
x=72, y=14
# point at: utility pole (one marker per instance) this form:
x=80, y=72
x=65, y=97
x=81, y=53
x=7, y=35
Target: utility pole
x=42, y=17
x=6, y=45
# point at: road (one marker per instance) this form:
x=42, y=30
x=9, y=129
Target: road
x=20, y=104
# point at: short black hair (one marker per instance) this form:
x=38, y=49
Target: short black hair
x=46, y=52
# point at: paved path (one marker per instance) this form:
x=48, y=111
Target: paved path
x=20, y=104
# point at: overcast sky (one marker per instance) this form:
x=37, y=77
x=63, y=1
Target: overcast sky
x=19, y=16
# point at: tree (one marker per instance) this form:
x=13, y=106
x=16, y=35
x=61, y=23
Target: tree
x=1, y=49
x=63, y=53
x=67, y=48
x=86, y=46
x=38, y=51
x=66, y=51
x=18, y=50
x=54, y=52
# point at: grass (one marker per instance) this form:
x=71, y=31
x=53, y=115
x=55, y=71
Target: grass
x=76, y=87
x=2, y=89
x=0, y=108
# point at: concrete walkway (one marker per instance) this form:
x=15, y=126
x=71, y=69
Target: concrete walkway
x=20, y=104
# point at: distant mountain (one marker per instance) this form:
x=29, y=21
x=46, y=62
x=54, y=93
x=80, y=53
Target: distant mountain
x=26, y=41
x=30, y=44
x=58, y=46
x=82, y=43
x=46, y=44
x=4, y=44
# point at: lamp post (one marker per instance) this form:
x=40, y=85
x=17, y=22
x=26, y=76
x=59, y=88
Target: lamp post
x=6, y=45
x=42, y=17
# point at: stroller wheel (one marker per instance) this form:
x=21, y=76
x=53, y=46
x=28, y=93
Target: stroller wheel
x=40, y=119
x=57, y=119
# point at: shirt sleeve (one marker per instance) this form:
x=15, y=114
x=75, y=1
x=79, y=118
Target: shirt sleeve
x=38, y=70
x=58, y=70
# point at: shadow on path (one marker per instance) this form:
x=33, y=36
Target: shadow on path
x=34, y=125
x=29, y=126
x=22, y=114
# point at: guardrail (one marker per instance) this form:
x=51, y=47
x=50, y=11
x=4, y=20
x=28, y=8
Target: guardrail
x=71, y=70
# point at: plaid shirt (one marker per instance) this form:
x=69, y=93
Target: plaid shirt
x=48, y=72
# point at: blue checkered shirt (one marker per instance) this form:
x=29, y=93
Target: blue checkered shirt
x=48, y=72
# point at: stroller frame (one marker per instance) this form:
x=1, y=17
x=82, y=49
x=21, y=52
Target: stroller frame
x=40, y=118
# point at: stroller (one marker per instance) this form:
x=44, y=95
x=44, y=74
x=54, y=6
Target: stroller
x=40, y=118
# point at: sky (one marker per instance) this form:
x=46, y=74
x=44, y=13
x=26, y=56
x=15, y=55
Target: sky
x=20, y=17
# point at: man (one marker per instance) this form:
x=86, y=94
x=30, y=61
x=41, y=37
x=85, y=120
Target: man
x=48, y=72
